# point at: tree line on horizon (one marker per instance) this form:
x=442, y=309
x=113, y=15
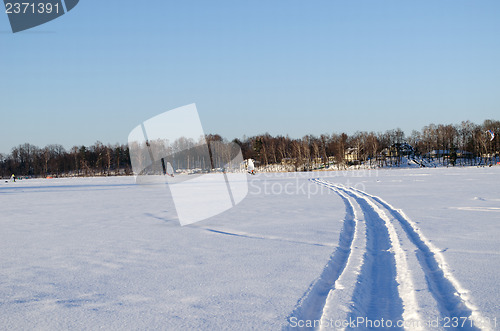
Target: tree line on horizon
x=55, y=160
x=467, y=141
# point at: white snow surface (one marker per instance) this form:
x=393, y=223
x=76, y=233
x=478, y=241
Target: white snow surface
x=412, y=245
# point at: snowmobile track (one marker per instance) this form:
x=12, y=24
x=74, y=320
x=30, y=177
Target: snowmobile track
x=383, y=269
x=313, y=302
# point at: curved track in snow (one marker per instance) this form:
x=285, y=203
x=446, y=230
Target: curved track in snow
x=384, y=274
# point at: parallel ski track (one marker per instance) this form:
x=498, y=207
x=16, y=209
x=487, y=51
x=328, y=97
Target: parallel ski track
x=452, y=298
x=310, y=307
x=368, y=275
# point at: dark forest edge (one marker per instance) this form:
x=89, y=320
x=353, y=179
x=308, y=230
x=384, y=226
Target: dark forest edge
x=461, y=144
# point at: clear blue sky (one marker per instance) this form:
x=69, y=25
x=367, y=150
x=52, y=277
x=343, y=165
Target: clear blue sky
x=284, y=67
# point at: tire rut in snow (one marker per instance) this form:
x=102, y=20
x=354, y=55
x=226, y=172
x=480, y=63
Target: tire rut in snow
x=311, y=304
x=376, y=296
x=453, y=301
x=384, y=287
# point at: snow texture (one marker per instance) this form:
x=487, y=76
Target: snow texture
x=412, y=246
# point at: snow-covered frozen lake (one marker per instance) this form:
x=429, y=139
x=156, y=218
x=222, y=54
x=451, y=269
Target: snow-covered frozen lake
x=417, y=246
